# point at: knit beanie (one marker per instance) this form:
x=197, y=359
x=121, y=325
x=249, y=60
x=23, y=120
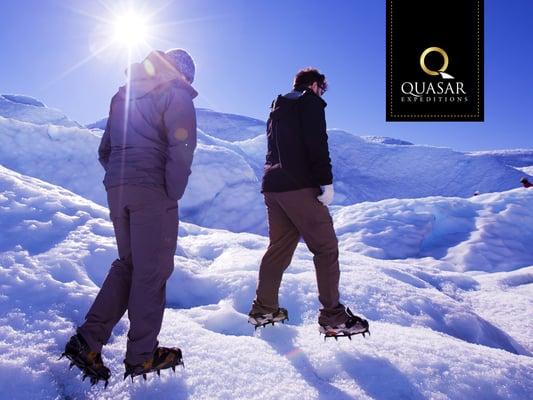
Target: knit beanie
x=182, y=61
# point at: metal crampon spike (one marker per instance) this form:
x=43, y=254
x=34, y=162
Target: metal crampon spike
x=106, y=383
x=144, y=376
x=61, y=356
x=71, y=365
x=174, y=368
x=84, y=376
x=158, y=372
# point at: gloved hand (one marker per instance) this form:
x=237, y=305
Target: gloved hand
x=327, y=195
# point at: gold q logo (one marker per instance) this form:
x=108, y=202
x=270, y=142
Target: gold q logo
x=441, y=70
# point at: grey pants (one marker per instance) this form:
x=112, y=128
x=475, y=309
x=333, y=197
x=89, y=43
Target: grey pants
x=145, y=221
x=292, y=215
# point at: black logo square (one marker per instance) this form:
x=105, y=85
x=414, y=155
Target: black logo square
x=434, y=60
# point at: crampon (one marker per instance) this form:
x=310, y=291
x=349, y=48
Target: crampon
x=89, y=362
x=163, y=358
x=353, y=325
x=259, y=320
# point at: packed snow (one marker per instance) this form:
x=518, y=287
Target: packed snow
x=444, y=278
x=228, y=165
x=437, y=331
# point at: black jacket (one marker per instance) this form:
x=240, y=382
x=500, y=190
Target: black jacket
x=298, y=154
x=154, y=145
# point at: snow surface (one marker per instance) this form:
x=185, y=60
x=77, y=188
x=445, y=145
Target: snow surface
x=438, y=331
x=513, y=157
x=445, y=279
x=526, y=170
x=386, y=140
x=489, y=232
x=228, y=164
x=28, y=109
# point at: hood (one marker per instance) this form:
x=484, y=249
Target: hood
x=150, y=74
x=286, y=103
x=294, y=95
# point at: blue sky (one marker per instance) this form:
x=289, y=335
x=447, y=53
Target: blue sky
x=248, y=51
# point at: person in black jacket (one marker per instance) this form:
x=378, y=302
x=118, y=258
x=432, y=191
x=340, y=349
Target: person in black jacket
x=297, y=187
x=525, y=183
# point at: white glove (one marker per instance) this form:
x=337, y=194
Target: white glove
x=327, y=195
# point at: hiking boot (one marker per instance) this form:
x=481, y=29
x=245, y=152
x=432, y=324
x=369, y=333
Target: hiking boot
x=353, y=325
x=162, y=358
x=89, y=362
x=259, y=319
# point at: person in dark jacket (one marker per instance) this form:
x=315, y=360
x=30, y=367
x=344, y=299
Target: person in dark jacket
x=525, y=182
x=147, y=151
x=297, y=187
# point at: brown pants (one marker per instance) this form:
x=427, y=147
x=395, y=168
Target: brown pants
x=292, y=215
x=146, y=228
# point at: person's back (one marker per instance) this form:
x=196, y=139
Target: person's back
x=297, y=155
x=297, y=187
x=147, y=151
x=151, y=120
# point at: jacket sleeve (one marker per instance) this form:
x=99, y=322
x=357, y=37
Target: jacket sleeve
x=179, y=119
x=315, y=138
x=104, y=150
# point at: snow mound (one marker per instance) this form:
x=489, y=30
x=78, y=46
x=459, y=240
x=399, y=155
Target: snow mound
x=386, y=140
x=513, y=157
x=64, y=156
x=28, y=109
x=436, y=333
x=21, y=99
x=229, y=127
x=490, y=232
x=67, y=156
x=228, y=166
x=365, y=171
x=100, y=124
x=526, y=170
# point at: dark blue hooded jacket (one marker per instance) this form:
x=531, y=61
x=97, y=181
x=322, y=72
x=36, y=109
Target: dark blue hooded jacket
x=150, y=135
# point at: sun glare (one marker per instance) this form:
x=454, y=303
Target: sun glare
x=125, y=31
x=130, y=30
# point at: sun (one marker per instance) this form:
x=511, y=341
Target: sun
x=131, y=30
x=126, y=30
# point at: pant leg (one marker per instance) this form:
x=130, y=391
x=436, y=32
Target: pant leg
x=313, y=221
x=112, y=300
x=154, y=230
x=284, y=238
